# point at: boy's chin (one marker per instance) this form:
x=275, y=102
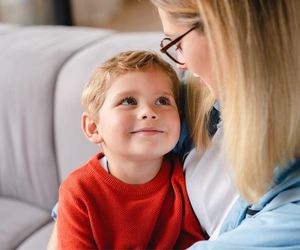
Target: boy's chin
x=151, y=154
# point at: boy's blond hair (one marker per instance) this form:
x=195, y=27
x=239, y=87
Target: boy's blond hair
x=95, y=90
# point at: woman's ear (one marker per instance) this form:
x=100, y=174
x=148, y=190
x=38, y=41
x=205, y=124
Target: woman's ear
x=90, y=128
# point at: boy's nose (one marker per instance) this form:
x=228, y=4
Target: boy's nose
x=147, y=113
x=148, y=116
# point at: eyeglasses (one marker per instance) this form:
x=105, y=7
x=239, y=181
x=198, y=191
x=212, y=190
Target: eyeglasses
x=167, y=45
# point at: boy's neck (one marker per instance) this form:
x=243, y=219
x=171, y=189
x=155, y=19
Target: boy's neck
x=136, y=171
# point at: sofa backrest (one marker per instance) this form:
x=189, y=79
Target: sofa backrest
x=31, y=59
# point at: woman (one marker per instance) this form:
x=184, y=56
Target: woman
x=246, y=53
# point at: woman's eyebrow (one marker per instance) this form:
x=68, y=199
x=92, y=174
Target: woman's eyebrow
x=167, y=34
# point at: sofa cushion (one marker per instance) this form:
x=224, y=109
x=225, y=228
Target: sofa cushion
x=18, y=221
x=5, y=28
x=31, y=58
x=38, y=240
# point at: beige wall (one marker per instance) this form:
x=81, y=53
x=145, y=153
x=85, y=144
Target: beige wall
x=122, y=15
x=95, y=12
x=26, y=11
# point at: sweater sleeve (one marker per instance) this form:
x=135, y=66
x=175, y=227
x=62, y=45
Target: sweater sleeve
x=73, y=225
x=191, y=231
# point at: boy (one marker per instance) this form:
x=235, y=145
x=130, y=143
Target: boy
x=133, y=195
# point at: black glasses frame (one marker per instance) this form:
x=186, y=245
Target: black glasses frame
x=164, y=49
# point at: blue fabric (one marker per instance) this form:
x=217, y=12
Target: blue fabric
x=217, y=106
x=54, y=212
x=275, y=226
x=185, y=142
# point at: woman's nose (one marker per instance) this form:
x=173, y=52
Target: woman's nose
x=181, y=66
x=180, y=58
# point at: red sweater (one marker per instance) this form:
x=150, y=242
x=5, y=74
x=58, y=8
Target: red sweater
x=96, y=210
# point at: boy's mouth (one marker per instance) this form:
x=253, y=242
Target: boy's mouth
x=148, y=130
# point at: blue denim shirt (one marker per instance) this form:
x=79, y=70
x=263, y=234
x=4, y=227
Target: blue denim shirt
x=274, y=224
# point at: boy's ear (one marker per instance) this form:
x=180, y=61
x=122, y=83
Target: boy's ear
x=90, y=129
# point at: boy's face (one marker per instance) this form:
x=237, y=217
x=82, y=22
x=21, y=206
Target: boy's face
x=139, y=117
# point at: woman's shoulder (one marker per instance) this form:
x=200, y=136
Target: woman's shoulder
x=209, y=183
x=279, y=206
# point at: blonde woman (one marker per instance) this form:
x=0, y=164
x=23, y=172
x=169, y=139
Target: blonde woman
x=247, y=54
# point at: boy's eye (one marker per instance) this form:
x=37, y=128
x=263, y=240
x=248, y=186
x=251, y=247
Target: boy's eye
x=128, y=101
x=163, y=100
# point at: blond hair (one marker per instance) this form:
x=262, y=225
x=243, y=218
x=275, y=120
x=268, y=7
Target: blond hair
x=95, y=90
x=256, y=60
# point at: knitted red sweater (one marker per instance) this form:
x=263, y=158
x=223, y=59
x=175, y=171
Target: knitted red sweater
x=99, y=211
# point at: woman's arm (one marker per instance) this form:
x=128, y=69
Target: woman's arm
x=276, y=227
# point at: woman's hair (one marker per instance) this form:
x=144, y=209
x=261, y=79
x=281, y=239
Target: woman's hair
x=255, y=50
x=198, y=100
x=95, y=90
x=183, y=12
x=198, y=105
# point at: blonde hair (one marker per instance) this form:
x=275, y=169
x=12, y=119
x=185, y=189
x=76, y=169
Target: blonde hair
x=198, y=105
x=95, y=90
x=255, y=54
x=198, y=100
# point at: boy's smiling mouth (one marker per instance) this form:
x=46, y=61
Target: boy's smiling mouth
x=148, y=131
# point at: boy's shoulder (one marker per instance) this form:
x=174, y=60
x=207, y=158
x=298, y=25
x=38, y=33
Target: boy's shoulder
x=82, y=175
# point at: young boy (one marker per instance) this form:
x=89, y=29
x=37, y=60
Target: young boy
x=133, y=195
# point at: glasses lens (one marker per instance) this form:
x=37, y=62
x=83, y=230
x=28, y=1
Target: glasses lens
x=172, y=52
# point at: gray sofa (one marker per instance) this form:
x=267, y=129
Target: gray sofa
x=42, y=72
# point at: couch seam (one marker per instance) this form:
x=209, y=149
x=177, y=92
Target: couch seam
x=89, y=44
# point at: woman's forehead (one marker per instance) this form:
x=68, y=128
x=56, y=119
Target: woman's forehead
x=170, y=26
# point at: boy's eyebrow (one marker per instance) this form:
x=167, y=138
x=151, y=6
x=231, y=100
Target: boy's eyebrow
x=125, y=93
x=168, y=93
x=133, y=92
